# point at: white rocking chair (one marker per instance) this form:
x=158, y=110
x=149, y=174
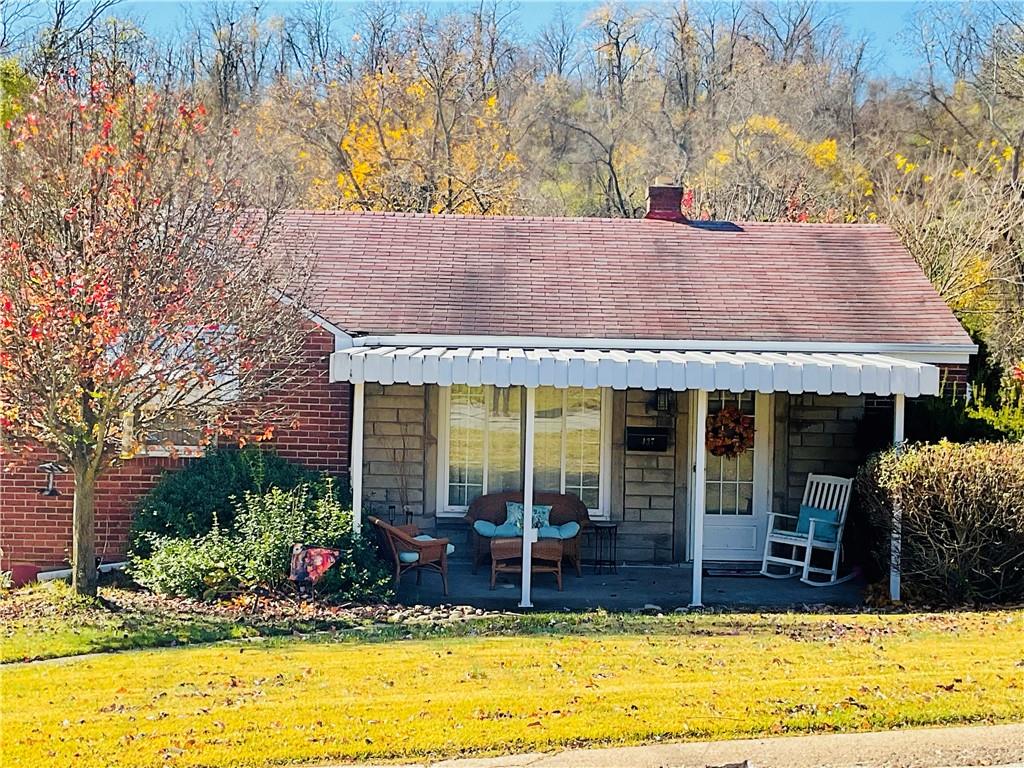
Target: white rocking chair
x=818, y=528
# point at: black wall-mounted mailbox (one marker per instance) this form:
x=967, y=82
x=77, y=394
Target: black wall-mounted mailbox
x=648, y=439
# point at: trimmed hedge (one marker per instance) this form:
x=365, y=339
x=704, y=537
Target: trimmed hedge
x=962, y=519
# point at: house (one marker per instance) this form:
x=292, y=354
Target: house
x=578, y=355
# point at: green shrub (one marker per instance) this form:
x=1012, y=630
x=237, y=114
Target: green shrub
x=201, y=567
x=256, y=552
x=186, y=502
x=1006, y=415
x=962, y=519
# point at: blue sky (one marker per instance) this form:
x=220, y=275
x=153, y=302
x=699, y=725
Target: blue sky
x=879, y=20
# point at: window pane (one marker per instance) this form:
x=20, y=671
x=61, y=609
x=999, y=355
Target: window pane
x=746, y=467
x=173, y=430
x=713, y=498
x=547, y=452
x=729, y=468
x=486, y=428
x=504, y=449
x=466, y=444
x=714, y=467
x=583, y=444
x=746, y=493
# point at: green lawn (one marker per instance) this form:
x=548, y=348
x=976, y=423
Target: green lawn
x=25, y=640
x=710, y=676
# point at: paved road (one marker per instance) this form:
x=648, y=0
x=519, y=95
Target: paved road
x=997, y=745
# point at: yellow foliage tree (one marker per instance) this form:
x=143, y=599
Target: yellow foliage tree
x=395, y=141
x=765, y=169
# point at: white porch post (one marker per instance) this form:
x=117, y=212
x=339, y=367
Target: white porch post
x=529, y=534
x=356, y=459
x=898, y=422
x=699, y=488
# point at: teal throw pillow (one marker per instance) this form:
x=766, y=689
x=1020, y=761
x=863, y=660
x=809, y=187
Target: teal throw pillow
x=825, y=529
x=514, y=514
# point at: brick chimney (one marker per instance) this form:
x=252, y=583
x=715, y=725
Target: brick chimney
x=665, y=202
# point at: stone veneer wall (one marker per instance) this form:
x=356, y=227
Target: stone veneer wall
x=821, y=439
x=652, y=484
x=394, y=477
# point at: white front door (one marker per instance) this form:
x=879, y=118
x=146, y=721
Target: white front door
x=738, y=490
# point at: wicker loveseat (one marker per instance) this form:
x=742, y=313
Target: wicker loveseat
x=565, y=508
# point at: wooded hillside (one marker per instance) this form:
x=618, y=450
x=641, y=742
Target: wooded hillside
x=763, y=111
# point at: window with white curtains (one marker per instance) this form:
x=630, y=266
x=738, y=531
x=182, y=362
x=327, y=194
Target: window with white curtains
x=483, y=429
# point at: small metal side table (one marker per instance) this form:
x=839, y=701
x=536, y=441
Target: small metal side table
x=606, y=536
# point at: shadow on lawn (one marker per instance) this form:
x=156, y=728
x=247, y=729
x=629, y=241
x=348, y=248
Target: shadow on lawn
x=49, y=621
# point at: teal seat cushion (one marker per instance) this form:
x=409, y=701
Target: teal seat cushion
x=563, y=531
x=514, y=514
x=491, y=531
x=412, y=557
x=485, y=528
x=825, y=529
x=568, y=530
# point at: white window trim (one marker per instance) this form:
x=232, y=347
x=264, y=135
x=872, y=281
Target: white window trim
x=444, y=509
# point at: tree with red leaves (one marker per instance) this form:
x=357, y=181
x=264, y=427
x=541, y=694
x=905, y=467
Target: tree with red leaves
x=138, y=282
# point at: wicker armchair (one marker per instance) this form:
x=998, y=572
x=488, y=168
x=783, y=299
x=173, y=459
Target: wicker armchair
x=412, y=551
x=565, y=508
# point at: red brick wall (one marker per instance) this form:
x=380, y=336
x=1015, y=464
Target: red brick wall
x=36, y=529
x=954, y=379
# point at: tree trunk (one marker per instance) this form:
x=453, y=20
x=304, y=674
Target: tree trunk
x=83, y=565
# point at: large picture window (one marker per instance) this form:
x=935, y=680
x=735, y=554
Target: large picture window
x=482, y=440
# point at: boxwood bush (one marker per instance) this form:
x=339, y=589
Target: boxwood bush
x=962, y=519
x=255, y=553
x=188, y=502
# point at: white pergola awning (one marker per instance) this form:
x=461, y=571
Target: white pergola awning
x=821, y=373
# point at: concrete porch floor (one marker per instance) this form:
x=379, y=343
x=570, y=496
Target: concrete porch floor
x=631, y=588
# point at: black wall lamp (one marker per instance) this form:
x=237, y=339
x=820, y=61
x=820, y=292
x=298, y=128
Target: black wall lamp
x=662, y=402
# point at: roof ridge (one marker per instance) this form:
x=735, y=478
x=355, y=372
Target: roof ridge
x=584, y=219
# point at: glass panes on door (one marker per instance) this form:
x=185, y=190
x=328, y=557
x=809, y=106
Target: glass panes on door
x=730, y=481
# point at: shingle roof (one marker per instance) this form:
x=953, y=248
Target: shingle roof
x=386, y=273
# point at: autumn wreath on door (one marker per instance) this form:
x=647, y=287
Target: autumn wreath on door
x=730, y=432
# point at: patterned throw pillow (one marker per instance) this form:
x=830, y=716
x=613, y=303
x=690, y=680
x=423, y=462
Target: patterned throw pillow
x=514, y=514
